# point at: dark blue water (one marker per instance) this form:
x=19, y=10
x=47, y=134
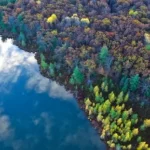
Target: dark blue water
x=36, y=113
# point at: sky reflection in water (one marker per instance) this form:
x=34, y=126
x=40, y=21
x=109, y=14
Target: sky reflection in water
x=36, y=113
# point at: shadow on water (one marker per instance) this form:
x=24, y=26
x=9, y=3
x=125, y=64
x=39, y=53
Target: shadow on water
x=36, y=113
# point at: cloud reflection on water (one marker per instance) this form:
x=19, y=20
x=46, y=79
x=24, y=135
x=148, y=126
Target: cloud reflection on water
x=15, y=62
x=6, y=132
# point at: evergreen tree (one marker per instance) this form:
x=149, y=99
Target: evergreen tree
x=42, y=57
x=125, y=115
x=103, y=55
x=134, y=82
x=54, y=42
x=22, y=39
x=91, y=88
x=77, y=76
x=125, y=86
x=113, y=113
x=112, y=97
x=2, y=24
x=13, y=30
x=41, y=43
x=51, y=69
x=71, y=81
x=106, y=107
x=44, y=65
x=99, y=99
x=126, y=98
x=147, y=93
x=96, y=90
x=134, y=119
x=20, y=16
x=108, y=62
x=122, y=81
x=120, y=98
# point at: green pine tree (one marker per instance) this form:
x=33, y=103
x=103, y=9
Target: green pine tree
x=103, y=54
x=134, y=82
x=51, y=69
x=77, y=76
x=44, y=65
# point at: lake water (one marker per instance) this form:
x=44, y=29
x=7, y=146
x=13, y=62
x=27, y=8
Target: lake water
x=36, y=113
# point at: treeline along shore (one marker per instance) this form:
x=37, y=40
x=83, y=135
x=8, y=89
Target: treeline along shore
x=97, y=49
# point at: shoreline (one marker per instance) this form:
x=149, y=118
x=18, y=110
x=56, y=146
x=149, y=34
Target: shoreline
x=102, y=58
x=79, y=95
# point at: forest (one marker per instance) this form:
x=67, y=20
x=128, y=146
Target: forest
x=98, y=49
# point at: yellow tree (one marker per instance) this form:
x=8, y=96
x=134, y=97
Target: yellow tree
x=112, y=97
x=120, y=98
x=147, y=123
x=96, y=89
x=126, y=98
x=52, y=19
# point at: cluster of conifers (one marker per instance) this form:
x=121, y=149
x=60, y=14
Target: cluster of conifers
x=83, y=41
